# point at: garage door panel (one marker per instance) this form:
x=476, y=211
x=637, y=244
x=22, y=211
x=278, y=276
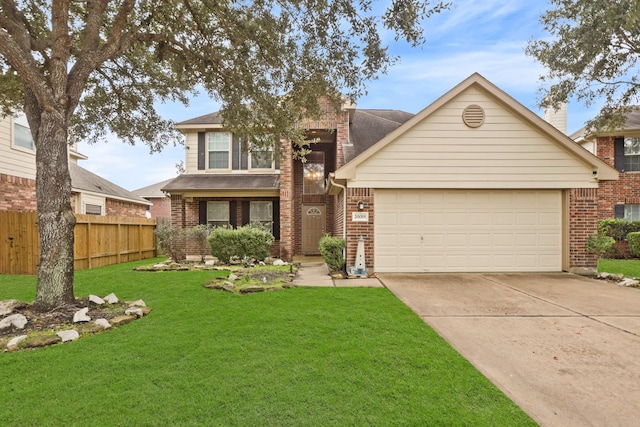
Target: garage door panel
x=468, y=230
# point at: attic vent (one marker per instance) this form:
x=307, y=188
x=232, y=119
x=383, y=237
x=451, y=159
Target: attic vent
x=473, y=116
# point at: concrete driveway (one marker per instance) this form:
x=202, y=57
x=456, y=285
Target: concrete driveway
x=565, y=348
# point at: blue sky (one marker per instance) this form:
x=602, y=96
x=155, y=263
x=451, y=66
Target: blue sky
x=488, y=37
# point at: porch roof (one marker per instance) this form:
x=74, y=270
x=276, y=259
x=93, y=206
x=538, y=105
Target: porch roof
x=223, y=182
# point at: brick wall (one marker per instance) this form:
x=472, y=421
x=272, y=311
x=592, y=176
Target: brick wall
x=17, y=194
x=583, y=222
x=121, y=208
x=624, y=191
x=161, y=207
x=357, y=229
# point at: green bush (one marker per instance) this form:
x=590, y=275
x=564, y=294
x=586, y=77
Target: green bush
x=600, y=244
x=634, y=243
x=242, y=242
x=331, y=250
x=618, y=228
x=171, y=241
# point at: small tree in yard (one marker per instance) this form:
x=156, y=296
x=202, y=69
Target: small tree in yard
x=87, y=68
x=171, y=241
x=198, y=236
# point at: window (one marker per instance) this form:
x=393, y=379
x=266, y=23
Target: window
x=218, y=214
x=21, y=133
x=261, y=159
x=219, y=150
x=631, y=154
x=313, y=174
x=632, y=212
x=262, y=213
x=90, y=209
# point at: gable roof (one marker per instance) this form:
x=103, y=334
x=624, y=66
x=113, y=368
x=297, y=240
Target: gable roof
x=369, y=126
x=153, y=190
x=83, y=180
x=208, y=120
x=632, y=125
x=605, y=172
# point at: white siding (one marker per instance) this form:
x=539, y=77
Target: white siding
x=14, y=161
x=191, y=160
x=442, y=152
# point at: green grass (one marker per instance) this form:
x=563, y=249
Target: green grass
x=628, y=267
x=299, y=357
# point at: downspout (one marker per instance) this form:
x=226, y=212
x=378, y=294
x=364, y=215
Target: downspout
x=344, y=217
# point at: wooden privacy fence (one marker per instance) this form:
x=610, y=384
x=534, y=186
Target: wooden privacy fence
x=99, y=241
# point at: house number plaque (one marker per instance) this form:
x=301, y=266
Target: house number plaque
x=360, y=216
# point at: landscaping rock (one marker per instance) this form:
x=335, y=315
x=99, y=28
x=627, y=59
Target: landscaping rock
x=160, y=265
x=194, y=258
x=279, y=262
x=70, y=335
x=229, y=287
x=233, y=277
x=134, y=311
x=89, y=328
x=8, y=306
x=17, y=321
x=210, y=262
x=251, y=289
x=629, y=282
x=96, y=299
x=103, y=323
x=111, y=298
x=13, y=344
x=137, y=303
x=81, y=315
x=40, y=341
x=122, y=320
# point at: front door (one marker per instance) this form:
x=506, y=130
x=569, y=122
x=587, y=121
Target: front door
x=313, y=227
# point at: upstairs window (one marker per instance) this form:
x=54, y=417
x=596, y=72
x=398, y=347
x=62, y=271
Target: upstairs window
x=313, y=174
x=21, y=133
x=631, y=154
x=218, y=149
x=261, y=159
x=218, y=214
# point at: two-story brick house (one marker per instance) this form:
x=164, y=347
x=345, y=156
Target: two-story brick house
x=620, y=150
x=91, y=194
x=474, y=182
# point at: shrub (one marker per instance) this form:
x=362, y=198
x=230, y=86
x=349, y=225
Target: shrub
x=618, y=228
x=171, y=241
x=198, y=237
x=331, y=250
x=243, y=242
x=634, y=243
x=600, y=244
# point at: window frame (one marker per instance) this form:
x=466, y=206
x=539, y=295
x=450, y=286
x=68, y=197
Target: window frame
x=304, y=172
x=267, y=223
x=632, y=160
x=212, y=221
x=228, y=151
x=20, y=120
x=632, y=212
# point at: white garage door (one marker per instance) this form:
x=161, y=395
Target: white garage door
x=468, y=230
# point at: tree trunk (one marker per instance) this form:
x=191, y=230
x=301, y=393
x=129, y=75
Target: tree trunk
x=56, y=220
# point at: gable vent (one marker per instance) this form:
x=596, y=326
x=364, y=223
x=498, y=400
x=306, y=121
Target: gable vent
x=473, y=116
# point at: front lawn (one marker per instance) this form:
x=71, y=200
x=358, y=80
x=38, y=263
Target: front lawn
x=628, y=267
x=299, y=357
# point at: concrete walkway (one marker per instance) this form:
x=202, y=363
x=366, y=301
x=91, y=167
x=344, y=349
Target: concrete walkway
x=314, y=272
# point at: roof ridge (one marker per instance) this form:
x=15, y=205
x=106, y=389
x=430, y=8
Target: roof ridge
x=364, y=111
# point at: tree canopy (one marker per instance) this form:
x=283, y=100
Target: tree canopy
x=113, y=59
x=86, y=68
x=592, y=55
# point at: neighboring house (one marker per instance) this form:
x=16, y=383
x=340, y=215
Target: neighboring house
x=474, y=182
x=621, y=150
x=90, y=194
x=161, y=207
